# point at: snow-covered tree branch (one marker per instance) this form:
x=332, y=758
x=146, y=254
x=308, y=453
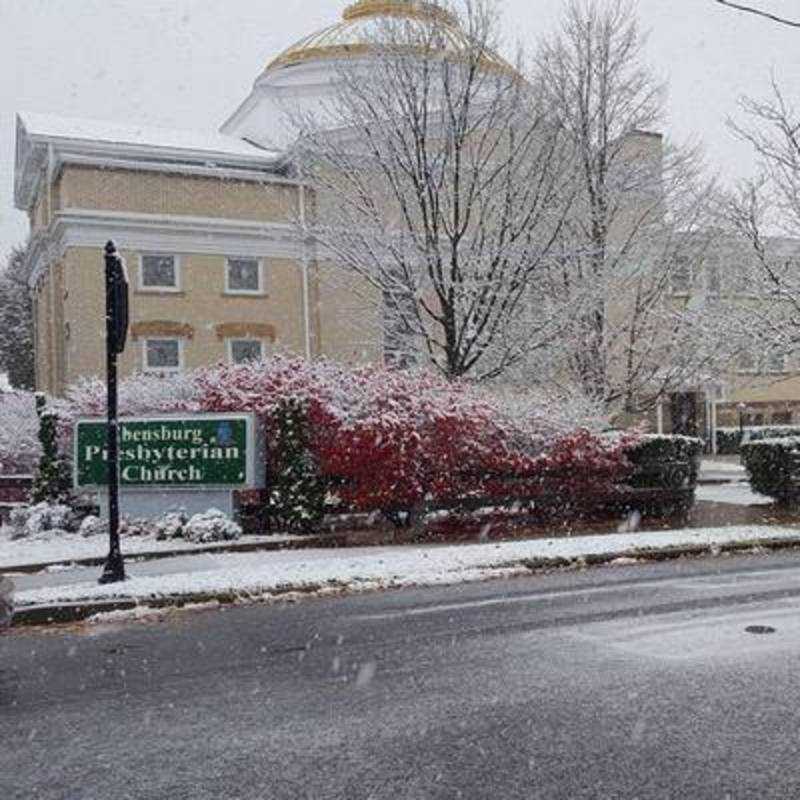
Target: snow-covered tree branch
x=441, y=182
x=641, y=218
x=16, y=322
x=764, y=214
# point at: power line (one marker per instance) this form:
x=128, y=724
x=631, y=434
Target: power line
x=759, y=12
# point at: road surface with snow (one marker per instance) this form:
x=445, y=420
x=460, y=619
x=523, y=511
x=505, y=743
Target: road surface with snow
x=621, y=682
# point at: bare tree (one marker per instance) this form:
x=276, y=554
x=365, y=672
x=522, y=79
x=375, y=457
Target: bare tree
x=441, y=183
x=760, y=12
x=764, y=213
x=640, y=218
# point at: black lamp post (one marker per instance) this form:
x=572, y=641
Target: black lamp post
x=742, y=408
x=116, y=334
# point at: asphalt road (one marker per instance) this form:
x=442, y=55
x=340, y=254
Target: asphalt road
x=621, y=682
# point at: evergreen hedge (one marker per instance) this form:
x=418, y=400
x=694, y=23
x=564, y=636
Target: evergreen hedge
x=729, y=440
x=771, y=464
x=664, y=473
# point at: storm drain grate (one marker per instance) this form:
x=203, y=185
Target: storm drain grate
x=760, y=629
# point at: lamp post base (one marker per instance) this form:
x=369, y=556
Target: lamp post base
x=114, y=569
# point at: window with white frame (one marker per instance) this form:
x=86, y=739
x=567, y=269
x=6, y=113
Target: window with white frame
x=769, y=363
x=158, y=272
x=244, y=276
x=680, y=277
x=713, y=282
x=163, y=355
x=241, y=351
x=746, y=362
x=775, y=362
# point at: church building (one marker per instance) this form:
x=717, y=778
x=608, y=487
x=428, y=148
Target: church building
x=209, y=224
x=212, y=227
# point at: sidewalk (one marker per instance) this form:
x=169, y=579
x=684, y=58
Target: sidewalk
x=231, y=577
x=52, y=552
x=721, y=469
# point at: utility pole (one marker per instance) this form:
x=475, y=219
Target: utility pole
x=116, y=334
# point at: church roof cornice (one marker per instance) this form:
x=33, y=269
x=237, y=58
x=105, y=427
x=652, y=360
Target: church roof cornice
x=44, y=142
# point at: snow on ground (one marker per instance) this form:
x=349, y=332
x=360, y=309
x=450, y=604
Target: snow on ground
x=715, y=465
x=738, y=494
x=47, y=549
x=261, y=574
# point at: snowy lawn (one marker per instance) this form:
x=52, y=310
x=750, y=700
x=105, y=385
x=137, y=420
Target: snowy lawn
x=46, y=549
x=738, y=494
x=264, y=573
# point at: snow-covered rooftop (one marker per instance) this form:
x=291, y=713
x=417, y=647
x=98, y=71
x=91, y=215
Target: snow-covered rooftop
x=49, y=126
x=40, y=136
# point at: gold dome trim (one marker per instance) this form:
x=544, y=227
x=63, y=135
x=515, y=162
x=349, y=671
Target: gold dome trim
x=399, y=8
x=332, y=43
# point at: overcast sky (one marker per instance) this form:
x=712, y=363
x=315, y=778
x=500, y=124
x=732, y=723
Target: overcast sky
x=188, y=63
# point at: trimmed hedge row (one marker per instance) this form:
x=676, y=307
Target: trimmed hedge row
x=729, y=440
x=772, y=465
x=664, y=476
x=658, y=477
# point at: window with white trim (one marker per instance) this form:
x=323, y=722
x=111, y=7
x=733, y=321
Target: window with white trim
x=244, y=276
x=680, y=277
x=775, y=362
x=713, y=280
x=770, y=363
x=163, y=355
x=746, y=362
x=158, y=272
x=241, y=351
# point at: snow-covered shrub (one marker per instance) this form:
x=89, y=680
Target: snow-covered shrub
x=652, y=455
x=52, y=479
x=297, y=488
x=43, y=518
x=728, y=441
x=211, y=526
x=93, y=526
x=138, y=395
x=664, y=471
x=19, y=433
x=773, y=466
x=137, y=526
x=382, y=439
x=170, y=525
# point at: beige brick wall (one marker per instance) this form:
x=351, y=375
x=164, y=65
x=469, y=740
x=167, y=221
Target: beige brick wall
x=347, y=316
x=48, y=346
x=201, y=305
x=157, y=193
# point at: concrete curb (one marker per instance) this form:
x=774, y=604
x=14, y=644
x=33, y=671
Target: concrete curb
x=324, y=541
x=82, y=610
x=720, y=481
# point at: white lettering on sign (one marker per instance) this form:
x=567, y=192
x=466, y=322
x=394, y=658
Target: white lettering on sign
x=163, y=434
x=161, y=474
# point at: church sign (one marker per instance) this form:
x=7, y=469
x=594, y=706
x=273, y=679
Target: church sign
x=180, y=452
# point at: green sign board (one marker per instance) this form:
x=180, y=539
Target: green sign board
x=191, y=451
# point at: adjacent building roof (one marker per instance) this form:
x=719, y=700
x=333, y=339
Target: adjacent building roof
x=40, y=136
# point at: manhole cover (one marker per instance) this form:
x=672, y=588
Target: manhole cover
x=760, y=629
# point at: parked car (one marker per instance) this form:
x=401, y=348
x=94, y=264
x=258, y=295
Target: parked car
x=6, y=601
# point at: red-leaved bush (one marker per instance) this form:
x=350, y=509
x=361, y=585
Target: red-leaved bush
x=392, y=440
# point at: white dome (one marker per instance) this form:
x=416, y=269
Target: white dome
x=303, y=75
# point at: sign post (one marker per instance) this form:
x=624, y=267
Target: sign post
x=116, y=334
